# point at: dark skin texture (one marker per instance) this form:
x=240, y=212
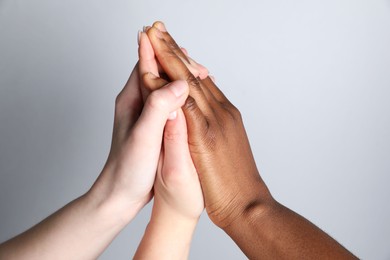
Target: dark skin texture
x=236, y=198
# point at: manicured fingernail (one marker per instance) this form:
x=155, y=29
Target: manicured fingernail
x=179, y=87
x=139, y=37
x=172, y=115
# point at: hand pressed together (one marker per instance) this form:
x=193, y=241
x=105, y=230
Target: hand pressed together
x=217, y=139
x=178, y=138
x=178, y=200
x=236, y=198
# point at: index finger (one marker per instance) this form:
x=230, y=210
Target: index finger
x=147, y=61
x=175, y=68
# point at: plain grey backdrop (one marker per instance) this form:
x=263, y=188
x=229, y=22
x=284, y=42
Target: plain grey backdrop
x=311, y=79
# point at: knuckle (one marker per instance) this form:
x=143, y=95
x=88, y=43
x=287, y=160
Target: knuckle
x=190, y=104
x=155, y=101
x=192, y=81
x=235, y=112
x=231, y=112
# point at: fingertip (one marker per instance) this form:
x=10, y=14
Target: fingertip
x=203, y=71
x=154, y=33
x=145, y=49
x=160, y=26
x=184, y=50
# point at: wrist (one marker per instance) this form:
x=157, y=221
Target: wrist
x=105, y=198
x=253, y=211
x=167, y=236
x=165, y=216
x=253, y=200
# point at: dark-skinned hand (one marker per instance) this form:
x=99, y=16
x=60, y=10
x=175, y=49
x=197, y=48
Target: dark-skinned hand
x=217, y=139
x=236, y=198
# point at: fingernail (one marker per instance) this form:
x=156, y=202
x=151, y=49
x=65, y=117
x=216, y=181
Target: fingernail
x=184, y=50
x=172, y=115
x=139, y=37
x=179, y=87
x=162, y=27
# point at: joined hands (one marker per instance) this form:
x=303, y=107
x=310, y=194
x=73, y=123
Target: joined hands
x=178, y=138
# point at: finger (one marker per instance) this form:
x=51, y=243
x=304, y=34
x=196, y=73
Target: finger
x=129, y=102
x=197, y=122
x=161, y=72
x=202, y=71
x=176, y=152
x=196, y=69
x=176, y=69
x=147, y=61
x=167, y=37
x=209, y=83
x=152, y=82
x=184, y=50
x=193, y=68
x=160, y=103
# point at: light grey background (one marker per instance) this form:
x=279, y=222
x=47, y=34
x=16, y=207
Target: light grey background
x=311, y=79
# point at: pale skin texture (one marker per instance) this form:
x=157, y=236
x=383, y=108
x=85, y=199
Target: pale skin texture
x=178, y=199
x=86, y=226
x=236, y=198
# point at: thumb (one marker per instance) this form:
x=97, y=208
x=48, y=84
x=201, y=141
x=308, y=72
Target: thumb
x=158, y=109
x=177, y=159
